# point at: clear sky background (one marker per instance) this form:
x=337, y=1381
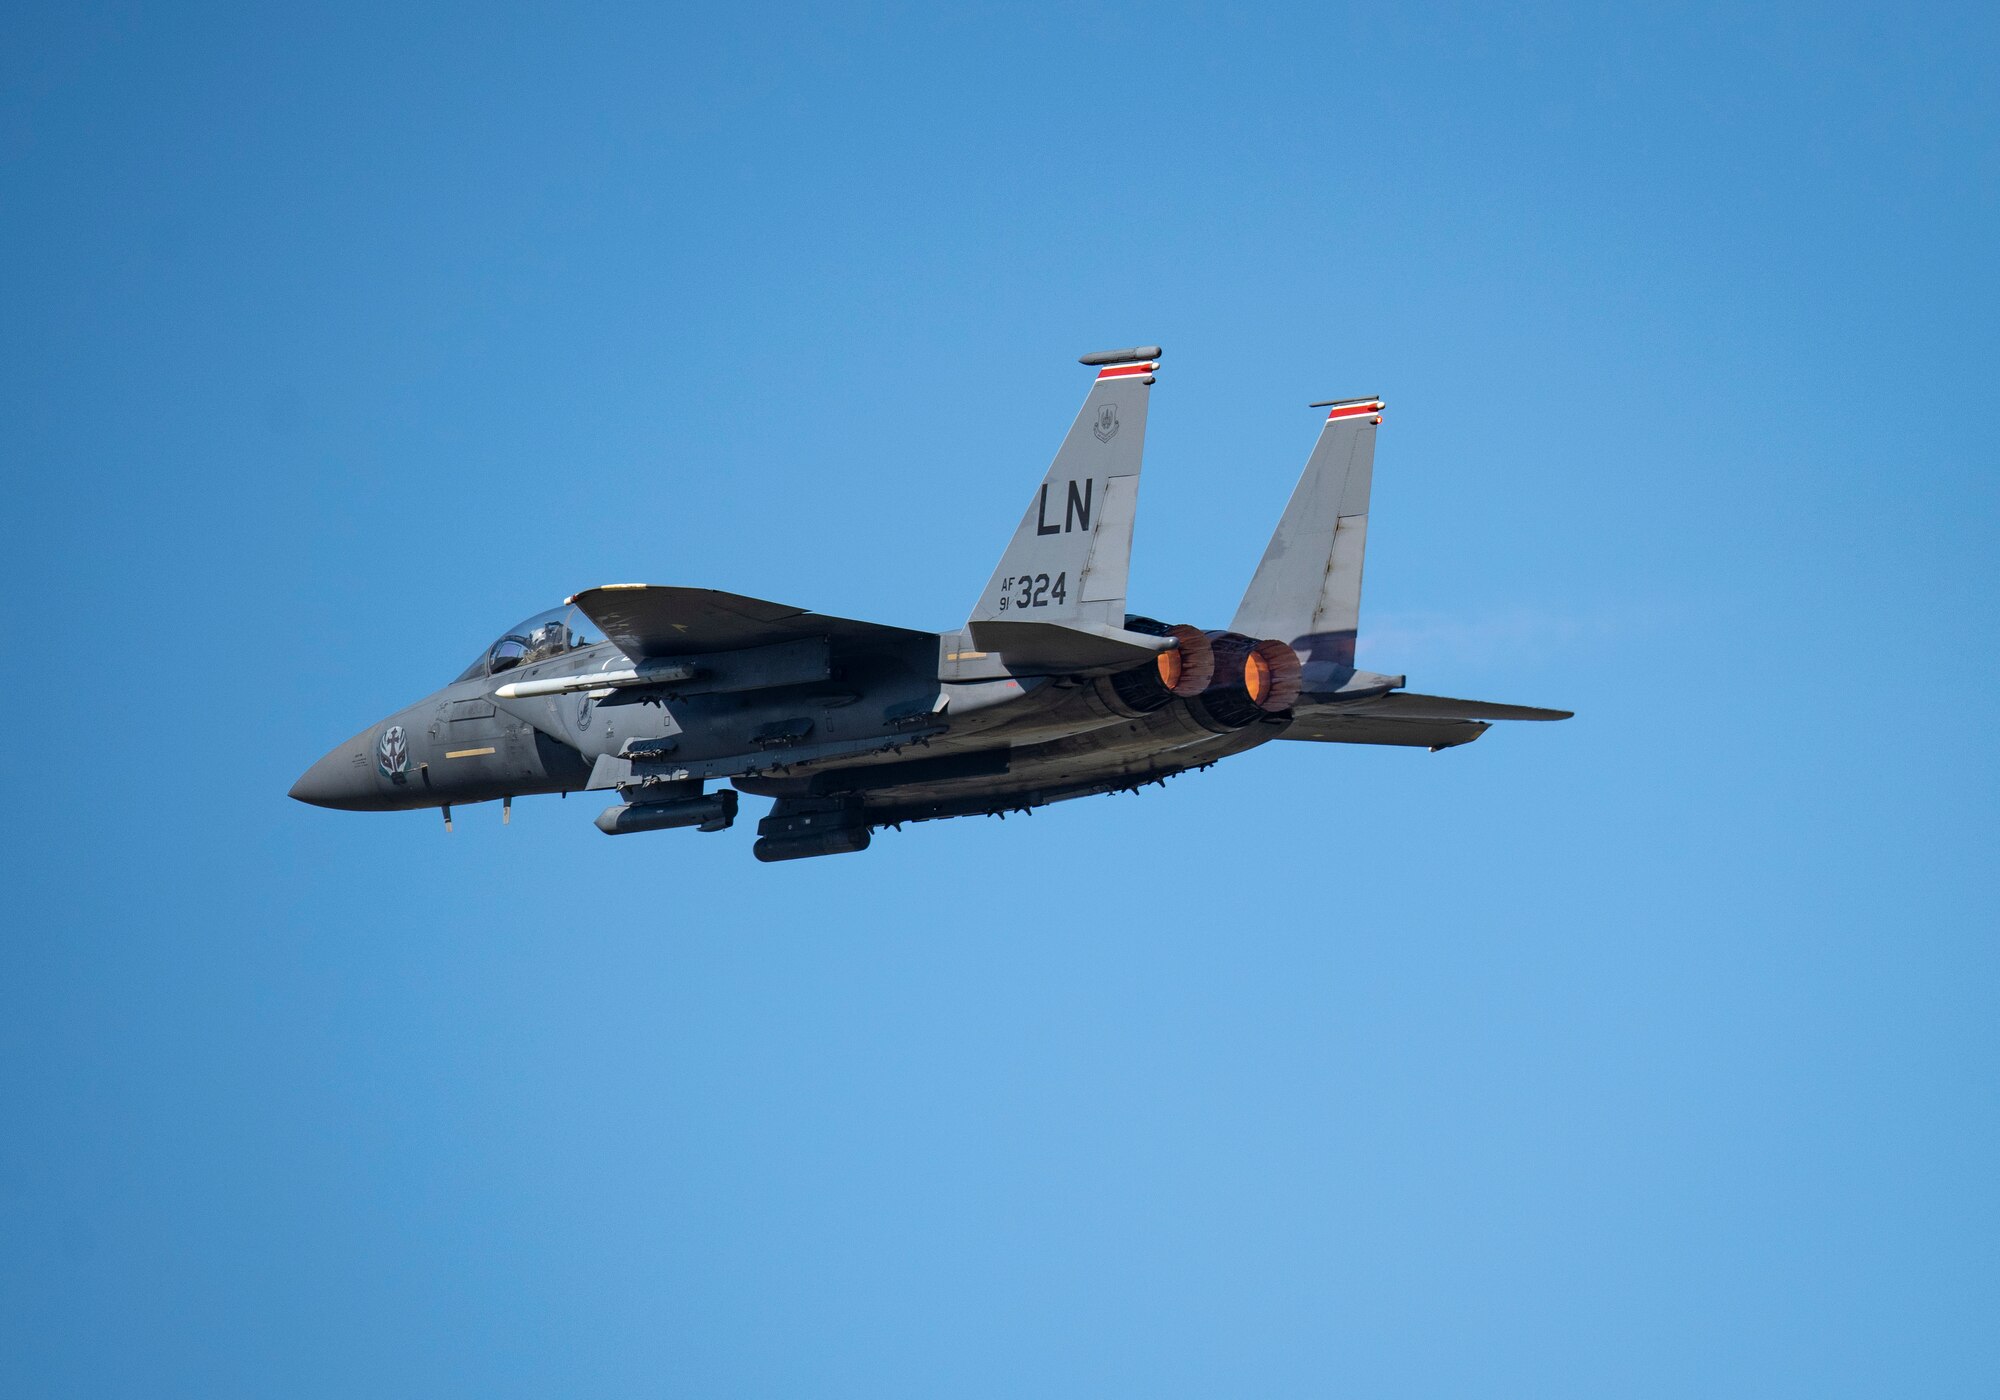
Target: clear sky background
x=1651, y=1054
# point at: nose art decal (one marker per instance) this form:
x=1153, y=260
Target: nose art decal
x=392, y=752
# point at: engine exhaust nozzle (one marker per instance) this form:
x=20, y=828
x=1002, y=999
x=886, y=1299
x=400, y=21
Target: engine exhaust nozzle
x=1186, y=669
x=1272, y=677
x=1252, y=679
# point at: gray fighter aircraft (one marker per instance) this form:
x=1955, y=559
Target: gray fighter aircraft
x=1051, y=689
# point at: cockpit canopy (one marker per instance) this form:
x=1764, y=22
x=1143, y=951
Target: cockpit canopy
x=542, y=636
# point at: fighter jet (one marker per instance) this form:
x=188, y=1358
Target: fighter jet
x=1051, y=690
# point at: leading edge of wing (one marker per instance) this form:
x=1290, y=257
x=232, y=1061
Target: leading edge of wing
x=649, y=620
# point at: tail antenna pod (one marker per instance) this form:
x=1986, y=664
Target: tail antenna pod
x=1351, y=408
x=1133, y=355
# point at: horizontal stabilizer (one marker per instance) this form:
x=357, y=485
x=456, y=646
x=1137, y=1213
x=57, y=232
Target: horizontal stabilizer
x=651, y=620
x=1404, y=705
x=1332, y=727
x=1071, y=647
x=1417, y=721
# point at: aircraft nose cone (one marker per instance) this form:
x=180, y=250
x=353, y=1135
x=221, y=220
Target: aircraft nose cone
x=342, y=779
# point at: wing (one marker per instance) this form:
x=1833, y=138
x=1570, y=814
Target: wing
x=1417, y=721
x=649, y=620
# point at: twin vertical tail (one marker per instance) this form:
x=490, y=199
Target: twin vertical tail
x=1057, y=600
x=1307, y=590
x=1058, y=595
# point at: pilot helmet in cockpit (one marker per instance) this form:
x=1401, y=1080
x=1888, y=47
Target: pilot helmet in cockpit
x=549, y=639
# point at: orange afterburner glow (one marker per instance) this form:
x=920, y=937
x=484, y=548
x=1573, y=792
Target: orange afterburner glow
x=1256, y=677
x=1169, y=663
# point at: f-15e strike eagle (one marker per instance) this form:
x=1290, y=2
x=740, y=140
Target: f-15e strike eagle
x=1051, y=689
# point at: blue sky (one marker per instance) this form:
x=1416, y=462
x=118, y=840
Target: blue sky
x=1651, y=1054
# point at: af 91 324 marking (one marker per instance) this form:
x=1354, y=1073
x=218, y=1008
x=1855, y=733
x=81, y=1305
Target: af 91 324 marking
x=1034, y=591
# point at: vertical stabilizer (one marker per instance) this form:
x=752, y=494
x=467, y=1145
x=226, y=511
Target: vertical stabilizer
x=1067, y=563
x=1307, y=590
